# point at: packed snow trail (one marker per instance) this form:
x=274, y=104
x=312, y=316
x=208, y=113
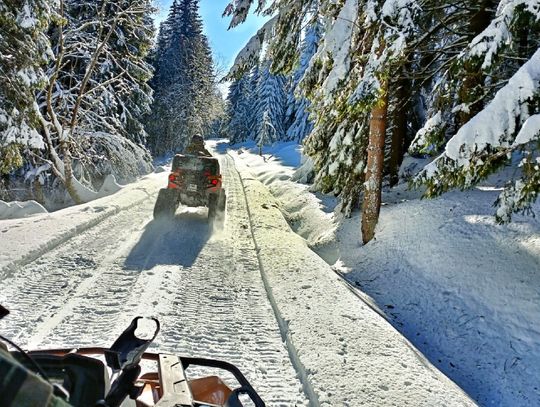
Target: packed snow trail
x=251, y=293
x=204, y=286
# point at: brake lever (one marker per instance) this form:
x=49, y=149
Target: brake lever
x=125, y=355
x=128, y=349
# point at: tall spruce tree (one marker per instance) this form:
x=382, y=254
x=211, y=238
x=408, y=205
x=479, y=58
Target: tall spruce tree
x=269, y=125
x=239, y=110
x=298, y=123
x=24, y=50
x=183, y=83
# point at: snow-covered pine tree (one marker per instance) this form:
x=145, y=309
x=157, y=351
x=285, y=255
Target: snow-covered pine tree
x=270, y=107
x=159, y=119
x=251, y=100
x=507, y=128
x=391, y=33
x=298, y=123
x=239, y=110
x=24, y=50
x=184, y=81
x=362, y=41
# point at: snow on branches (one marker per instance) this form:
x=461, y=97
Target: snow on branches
x=479, y=147
x=70, y=68
x=395, y=23
x=24, y=49
x=498, y=34
x=251, y=53
x=335, y=50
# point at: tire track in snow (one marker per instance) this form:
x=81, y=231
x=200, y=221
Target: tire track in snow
x=293, y=353
x=205, y=288
x=46, y=291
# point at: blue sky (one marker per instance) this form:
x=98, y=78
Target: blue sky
x=225, y=43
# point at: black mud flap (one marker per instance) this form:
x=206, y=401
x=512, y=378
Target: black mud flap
x=216, y=208
x=222, y=201
x=212, y=207
x=166, y=204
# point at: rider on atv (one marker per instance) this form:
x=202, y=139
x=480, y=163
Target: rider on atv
x=195, y=180
x=196, y=147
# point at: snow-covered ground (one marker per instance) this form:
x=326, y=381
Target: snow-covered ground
x=251, y=293
x=24, y=240
x=461, y=288
x=204, y=287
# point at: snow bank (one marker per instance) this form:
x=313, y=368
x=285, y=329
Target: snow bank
x=109, y=187
x=14, y=210
x=24, y=240
x=346, y=353
x=463, y=289
x=309, y=215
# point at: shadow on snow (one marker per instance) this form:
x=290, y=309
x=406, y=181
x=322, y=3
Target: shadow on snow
x=170, y=242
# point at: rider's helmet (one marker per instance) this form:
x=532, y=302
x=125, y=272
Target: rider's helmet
x=197, y=139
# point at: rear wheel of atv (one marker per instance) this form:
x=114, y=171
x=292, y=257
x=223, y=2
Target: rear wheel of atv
x=166, y=204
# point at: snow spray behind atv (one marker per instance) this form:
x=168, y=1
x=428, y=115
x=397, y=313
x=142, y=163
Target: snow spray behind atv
x=195, y=180
x=114, y=377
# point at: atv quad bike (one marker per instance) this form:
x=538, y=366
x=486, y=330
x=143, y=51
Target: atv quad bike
x=124, y=375
x=195, y=180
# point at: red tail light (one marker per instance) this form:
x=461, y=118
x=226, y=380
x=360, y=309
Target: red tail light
x=172, y=177
x=214, y=182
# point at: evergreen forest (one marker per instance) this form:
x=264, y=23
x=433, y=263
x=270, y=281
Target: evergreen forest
x=91, y=88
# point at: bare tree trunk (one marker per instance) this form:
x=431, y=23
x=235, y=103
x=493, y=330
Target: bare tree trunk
x=372, y=187
x=69, y=178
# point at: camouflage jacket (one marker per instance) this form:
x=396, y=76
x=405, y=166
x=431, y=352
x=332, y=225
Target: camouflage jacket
x=197, y=149
x=19, y=387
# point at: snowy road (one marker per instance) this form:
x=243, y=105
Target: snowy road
x=205, y=287
x=251, y=293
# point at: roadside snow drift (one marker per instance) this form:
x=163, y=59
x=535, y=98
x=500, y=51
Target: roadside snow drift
x=14, y=210
x=463, y=289
x=23, y=241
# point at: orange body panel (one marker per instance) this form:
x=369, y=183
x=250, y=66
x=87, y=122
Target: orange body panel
x=210, y=390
